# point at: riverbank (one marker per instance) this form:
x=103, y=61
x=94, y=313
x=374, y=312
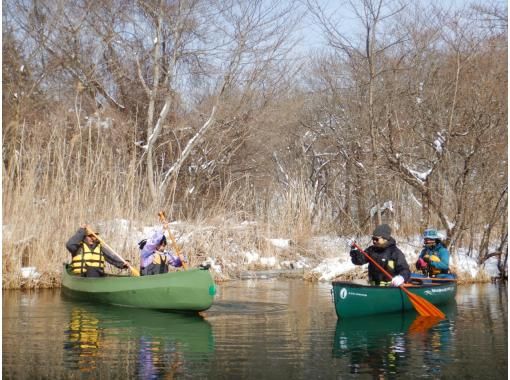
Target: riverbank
x=47, y=280
x=233, y=251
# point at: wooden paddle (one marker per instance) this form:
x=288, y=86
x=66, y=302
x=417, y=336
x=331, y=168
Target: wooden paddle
x=162, y=219
x=134, y=271
x=422, y=306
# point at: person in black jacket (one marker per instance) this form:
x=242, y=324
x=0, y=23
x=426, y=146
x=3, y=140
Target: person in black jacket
x=88, y=255
x=385, y=252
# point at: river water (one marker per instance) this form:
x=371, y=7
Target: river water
x=256, y=329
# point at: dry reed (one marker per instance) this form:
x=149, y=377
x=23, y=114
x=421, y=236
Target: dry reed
x=64, y=175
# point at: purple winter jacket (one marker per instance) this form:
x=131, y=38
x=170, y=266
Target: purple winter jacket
x=149, y=250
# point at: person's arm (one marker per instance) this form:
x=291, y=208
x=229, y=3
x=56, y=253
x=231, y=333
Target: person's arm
x=421, y=263
x=146, y=258
x=444, y=259
x=173, y=260
x=74, y=243
x=401, y=266
x=113, y=259
x=357, y=258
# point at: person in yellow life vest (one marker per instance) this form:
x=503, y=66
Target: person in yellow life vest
x=88, y=255
x=434, y=259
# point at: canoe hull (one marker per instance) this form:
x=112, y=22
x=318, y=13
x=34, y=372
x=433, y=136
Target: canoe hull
x=354, y=300
x=191, y=290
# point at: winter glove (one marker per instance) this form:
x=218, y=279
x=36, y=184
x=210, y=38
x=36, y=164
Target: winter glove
x=434, y=258
x=357, y=258
x=175, y=261
x=426, y=258
x=397, y=280
x=421, y=264
x=354, y=252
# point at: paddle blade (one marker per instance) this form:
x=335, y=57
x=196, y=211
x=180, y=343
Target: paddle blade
x=422, y=306
x=422, y=324
x=134, y=271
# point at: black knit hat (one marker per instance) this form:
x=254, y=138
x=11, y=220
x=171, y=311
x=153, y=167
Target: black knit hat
x=383, y=231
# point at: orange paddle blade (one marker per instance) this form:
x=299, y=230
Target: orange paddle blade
x=422, y=306
x=422, y=324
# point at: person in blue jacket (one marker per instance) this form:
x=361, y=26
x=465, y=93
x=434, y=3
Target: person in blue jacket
x=434, y=259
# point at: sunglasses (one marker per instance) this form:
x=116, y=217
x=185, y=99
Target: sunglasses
x=376, y=238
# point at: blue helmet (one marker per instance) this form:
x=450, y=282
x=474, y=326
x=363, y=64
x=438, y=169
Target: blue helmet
x=431, y=233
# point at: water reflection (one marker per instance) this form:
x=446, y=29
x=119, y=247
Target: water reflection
x=160, y=344
x=83, y=338
x=255, y=330
x=392, y=344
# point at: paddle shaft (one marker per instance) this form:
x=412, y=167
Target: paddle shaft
x=163, y=220
x=133, y=270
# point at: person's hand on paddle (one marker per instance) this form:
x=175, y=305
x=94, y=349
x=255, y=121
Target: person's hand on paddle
x=88, y=230
x=357, y=257
x=397, y=281
x=126, y=264
x=354, y=252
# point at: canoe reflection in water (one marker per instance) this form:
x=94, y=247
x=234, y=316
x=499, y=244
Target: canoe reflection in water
x=385, y=345
x=104, y=339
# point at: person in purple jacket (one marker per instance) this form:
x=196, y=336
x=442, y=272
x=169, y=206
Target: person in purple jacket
x=154, y=256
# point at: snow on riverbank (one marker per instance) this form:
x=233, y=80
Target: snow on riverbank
x=325, y=258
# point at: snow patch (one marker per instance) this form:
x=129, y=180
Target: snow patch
x=280, y=243
x=330, y=268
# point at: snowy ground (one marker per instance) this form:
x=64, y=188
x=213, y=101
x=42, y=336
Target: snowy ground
x=336, y=260
x=333, y=261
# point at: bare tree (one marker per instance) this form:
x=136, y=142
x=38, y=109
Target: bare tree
x=365, y=58
x=252, y=34
x=451, y=130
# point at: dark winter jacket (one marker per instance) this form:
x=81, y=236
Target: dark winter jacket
x=390, y=258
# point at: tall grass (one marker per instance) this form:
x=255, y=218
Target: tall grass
x=59, y=178
x=62, y=175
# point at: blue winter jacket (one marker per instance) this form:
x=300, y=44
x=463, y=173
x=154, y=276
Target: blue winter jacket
x=441, y=252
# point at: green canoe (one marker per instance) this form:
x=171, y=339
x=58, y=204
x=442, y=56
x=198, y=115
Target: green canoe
x=190, y=290
x=355, y=300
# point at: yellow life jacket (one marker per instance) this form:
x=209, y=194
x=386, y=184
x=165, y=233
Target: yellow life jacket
x=381, y=283
x=433, y=270
x=159, y=259
x=87, y=258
